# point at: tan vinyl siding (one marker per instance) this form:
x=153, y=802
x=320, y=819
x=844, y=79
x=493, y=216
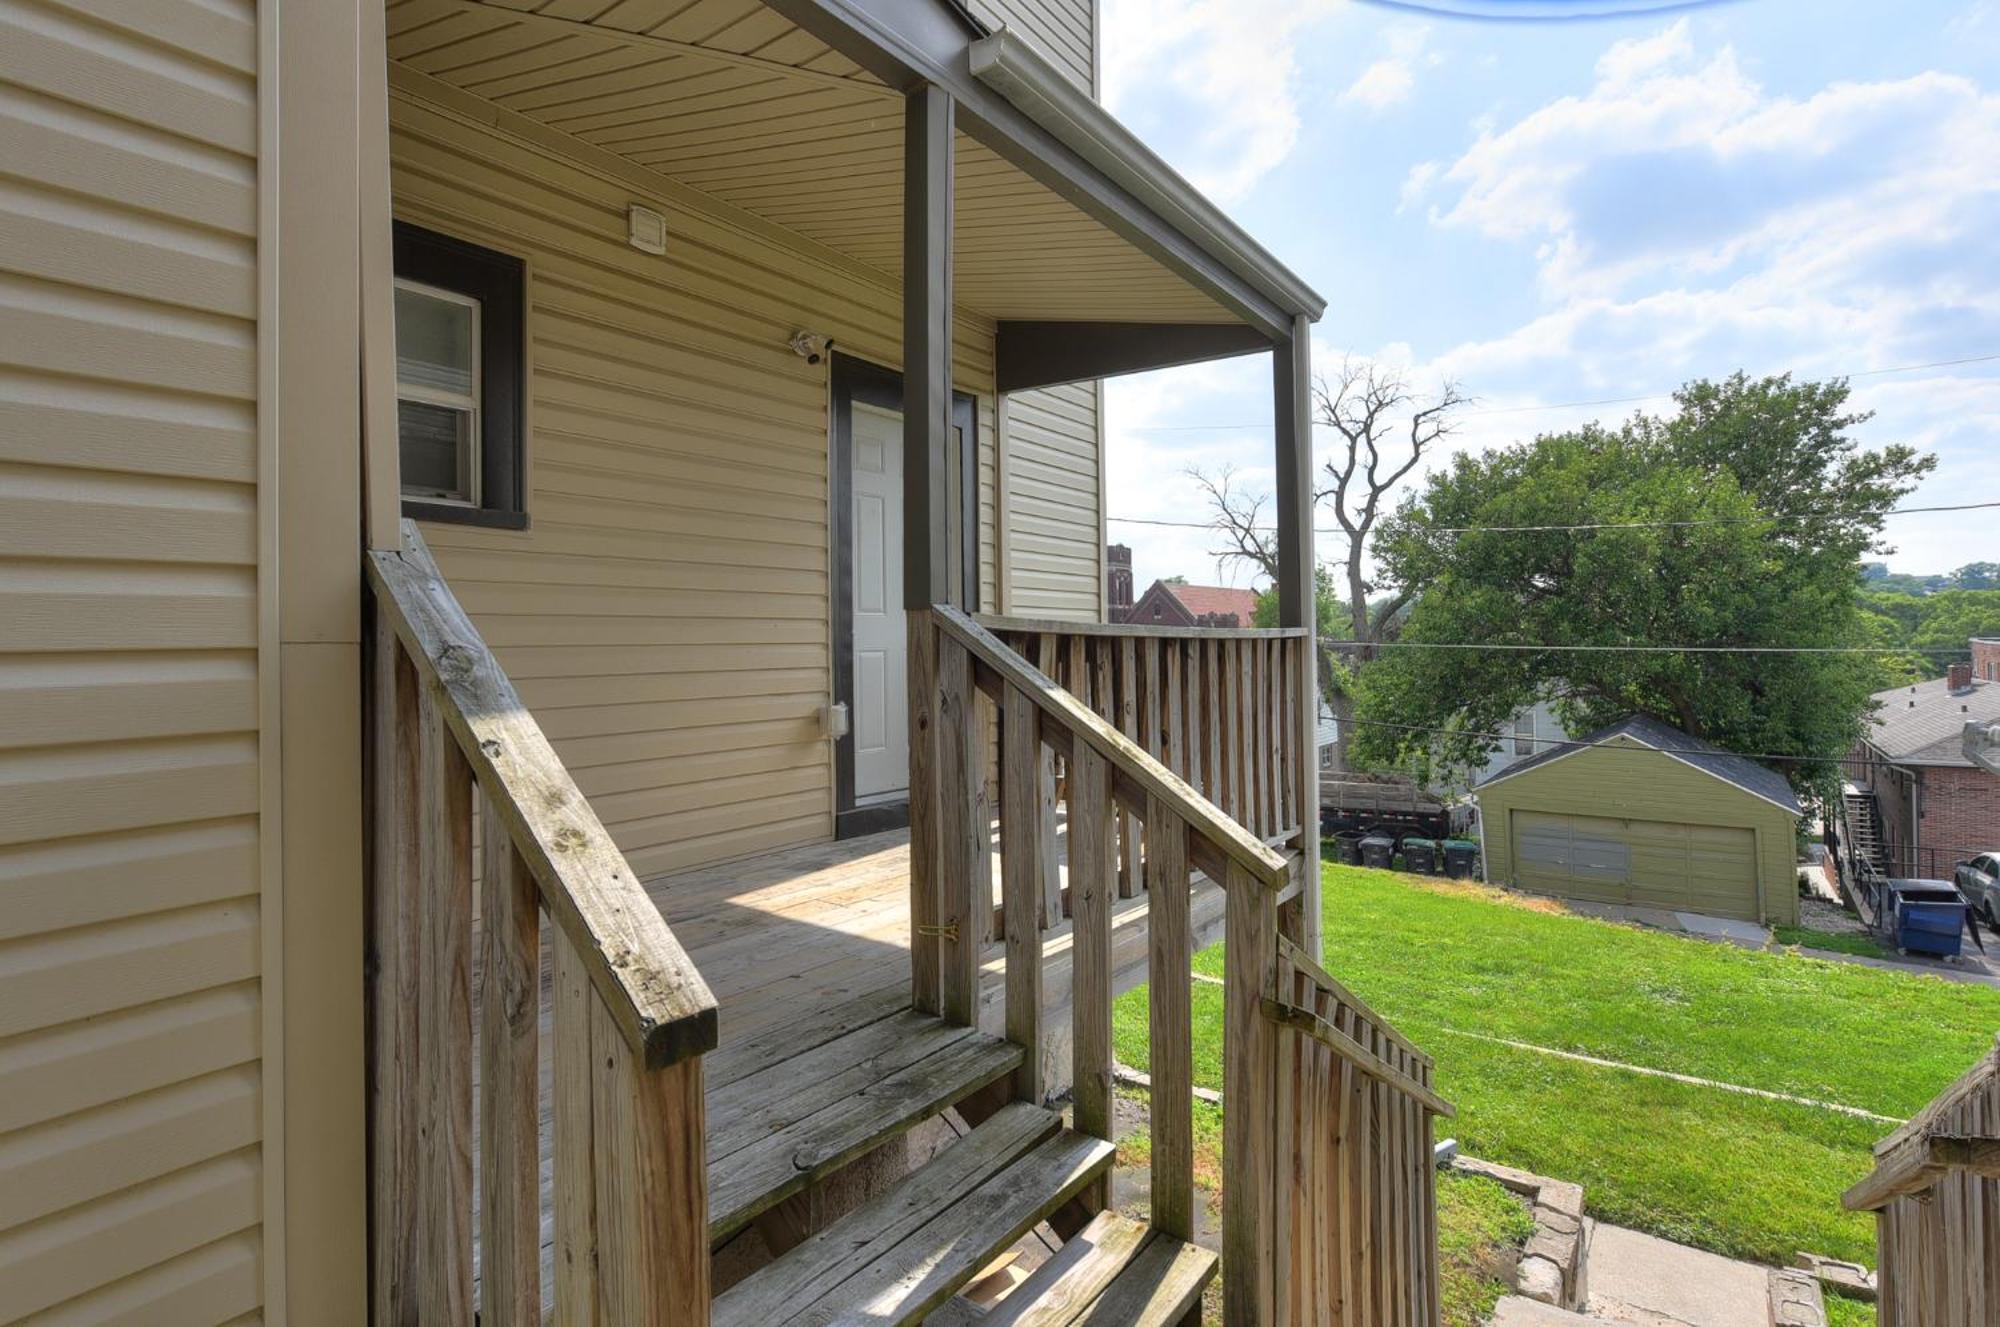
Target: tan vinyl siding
x=1684, y=830
x=668, y=612
x=130, y=1084
x=1055, y=553
x=1063, y=30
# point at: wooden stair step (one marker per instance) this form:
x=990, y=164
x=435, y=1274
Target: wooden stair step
x=904, y=1252
x=1116, y=1272
x=1081, y=1270
x=831, y=1106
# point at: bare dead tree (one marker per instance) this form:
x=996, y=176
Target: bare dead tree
x=1385, y=428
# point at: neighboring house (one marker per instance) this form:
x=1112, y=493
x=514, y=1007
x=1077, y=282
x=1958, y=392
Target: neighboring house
x=1172, y=604
x=1933, y=803
x=1531, y=732
x=1327, y=736
x=1641, y=813
x=724, y=355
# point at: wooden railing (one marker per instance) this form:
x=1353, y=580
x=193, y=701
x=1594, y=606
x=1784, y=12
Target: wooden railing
x=1935, y=1192
x=1317, y=1089
x=632, y=1017
x=1219, y=707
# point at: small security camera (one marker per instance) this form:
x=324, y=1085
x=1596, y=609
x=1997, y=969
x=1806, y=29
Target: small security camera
x=811, y=347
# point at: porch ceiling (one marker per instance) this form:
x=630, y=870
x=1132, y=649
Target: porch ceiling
x=730, y=98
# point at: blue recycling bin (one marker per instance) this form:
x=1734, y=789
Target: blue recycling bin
x=1928, y=916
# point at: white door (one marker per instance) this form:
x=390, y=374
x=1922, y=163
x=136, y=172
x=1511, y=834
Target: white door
x=881, y=718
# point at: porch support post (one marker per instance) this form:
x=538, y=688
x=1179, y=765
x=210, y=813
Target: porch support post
x=927, y=306
x=1292, y=414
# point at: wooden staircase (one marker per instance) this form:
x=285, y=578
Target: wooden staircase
x=660, y=1151
x=902, y=1254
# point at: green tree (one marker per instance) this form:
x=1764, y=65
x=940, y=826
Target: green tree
x=1737, y=521
x=1977, y=576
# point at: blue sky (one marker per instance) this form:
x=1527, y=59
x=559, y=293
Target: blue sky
x=1552, y=212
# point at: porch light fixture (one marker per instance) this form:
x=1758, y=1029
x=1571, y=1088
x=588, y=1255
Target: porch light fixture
x=645, y=229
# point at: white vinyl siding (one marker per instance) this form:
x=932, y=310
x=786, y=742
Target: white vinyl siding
x=1063, y=30
x=130, y=1082
x=1055, y=548
x=667, y=614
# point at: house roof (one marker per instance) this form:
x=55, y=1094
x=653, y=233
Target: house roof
x=1924, y=724
x=1200, y=599
x=1741, y=771
x=1328, y=730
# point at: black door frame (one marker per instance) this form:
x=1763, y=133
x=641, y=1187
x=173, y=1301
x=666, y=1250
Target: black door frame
x=855, y=381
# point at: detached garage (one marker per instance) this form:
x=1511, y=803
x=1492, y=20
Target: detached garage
x=1642, y=814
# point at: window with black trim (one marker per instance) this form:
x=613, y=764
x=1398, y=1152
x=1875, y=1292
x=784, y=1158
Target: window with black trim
x=460, y=381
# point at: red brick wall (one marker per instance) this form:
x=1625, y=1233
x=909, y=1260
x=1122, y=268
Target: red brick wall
x=1986, y=659
x=1961, y=812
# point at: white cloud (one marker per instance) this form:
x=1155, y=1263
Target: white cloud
x=1387, y=82
x=1224, y=72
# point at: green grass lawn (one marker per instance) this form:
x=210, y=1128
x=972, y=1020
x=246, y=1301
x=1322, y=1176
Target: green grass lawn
x=1839, y=942
x=1741, y=1175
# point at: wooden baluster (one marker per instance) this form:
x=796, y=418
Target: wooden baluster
x=1233, y=732
x=926, y=904
x=444, y=1014
x=1215, y=721
x=1093, y=876
x=1022, y=860
x=510, y=1233
x=1169, y=1022
x=1197, y=771
x=395, y=924
x=1129, y=868
x=574, y=1150
x=1260, y=752
x=1355, y=1207
x=1249, y=1063
x=1177, y=712
x=965, y=864
x=651, y=1184
x=1045, y=786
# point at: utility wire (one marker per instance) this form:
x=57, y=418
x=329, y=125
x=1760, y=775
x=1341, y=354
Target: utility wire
x=1589, y=525
x=1575, y=405
x=1575, y=744
x=1887, y=650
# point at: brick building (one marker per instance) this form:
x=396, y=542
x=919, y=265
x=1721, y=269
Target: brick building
x=1935, y=805
x=1168, y=605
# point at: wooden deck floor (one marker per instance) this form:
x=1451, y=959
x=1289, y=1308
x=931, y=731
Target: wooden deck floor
x=804, y=946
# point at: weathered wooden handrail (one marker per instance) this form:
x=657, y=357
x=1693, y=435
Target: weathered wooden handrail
x=1227, y=709
x=1140, y=775
x=651, y=987
x=632, y=1016
x=1329, y=1207
x=1934, y=1189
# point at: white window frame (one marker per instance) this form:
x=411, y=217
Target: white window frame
x=474, y=464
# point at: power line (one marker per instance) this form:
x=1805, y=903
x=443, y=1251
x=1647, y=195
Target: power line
x=1588, y=525
x=1576, y=405
x=1510, y=646
x=1578, y=745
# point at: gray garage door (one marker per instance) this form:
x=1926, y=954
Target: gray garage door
x=1648, y=863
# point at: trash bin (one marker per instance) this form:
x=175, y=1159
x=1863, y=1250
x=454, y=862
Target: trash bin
x=1420, y=855
x=1347, y=849
x=1928, y=916
x=1459, y=857
x=1377, y=850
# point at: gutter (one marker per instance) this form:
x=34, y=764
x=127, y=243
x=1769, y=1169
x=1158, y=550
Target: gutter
x=1006, y=63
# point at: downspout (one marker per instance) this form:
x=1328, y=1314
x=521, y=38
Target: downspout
x=1484, y=877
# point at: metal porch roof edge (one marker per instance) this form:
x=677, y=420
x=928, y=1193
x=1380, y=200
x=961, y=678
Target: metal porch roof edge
x=1738, y=771
x=1013, y=67
x=1094, y=161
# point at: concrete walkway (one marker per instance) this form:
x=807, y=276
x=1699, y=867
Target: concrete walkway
x=1639, y=1281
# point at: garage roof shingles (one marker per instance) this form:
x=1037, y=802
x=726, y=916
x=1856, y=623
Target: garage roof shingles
x=1743, y=772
